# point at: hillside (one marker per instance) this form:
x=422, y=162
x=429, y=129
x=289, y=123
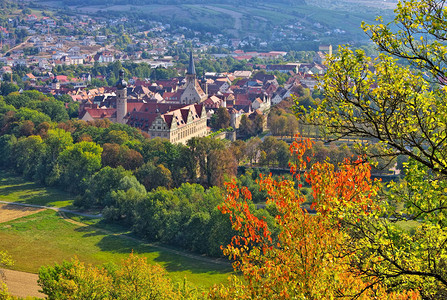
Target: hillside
x=333, y=22
x=173, y=2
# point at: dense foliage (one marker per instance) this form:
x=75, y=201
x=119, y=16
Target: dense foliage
x=404, y=109
x=305, y=256
x=134, y=278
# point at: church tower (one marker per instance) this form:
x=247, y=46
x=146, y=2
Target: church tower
x=121, y=98
x=191, y=72
x=193, y=93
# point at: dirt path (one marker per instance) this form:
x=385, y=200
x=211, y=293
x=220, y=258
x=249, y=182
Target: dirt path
x=22, y=284
x=19, y=45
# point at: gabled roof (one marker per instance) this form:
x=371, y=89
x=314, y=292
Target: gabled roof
x=99, y=113
x=168, y=112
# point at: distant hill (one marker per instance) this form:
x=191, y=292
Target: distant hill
x=175, y=2
x=305, y=23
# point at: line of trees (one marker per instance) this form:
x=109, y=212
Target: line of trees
x=139, y=182
x=154, y=187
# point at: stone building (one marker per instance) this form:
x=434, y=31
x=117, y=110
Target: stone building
x=175, y=122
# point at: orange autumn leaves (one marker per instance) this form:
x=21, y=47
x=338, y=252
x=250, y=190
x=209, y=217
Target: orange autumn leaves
x=303, y=256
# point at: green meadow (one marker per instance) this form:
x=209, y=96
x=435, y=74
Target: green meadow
x=47, y=237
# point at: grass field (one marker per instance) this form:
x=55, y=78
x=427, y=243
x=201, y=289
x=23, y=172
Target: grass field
x=45, y=238
x=16, y=189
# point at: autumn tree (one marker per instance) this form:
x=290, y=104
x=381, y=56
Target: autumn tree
x=282, y=123
x=304, y=258
x=246, y=127
x=205, y=154
x=223, y=166
x=403, y=108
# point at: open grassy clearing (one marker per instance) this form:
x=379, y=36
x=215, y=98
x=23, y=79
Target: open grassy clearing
x=45, y=238
x=16, y=189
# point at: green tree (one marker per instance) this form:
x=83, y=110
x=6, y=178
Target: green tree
x=101, y=185
x=32, y=115
x=222, y=119
x=404, y=109
x=6, y=88
x=28, y=151
x=137, y=279
x=133, y=278
x=153, y=176
x=56, y=140
x=75, y=280
x=77, y=163
x=124, y=200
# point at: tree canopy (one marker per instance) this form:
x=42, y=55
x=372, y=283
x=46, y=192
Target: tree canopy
x=403, y=109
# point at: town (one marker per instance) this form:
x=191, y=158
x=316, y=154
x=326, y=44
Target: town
x=55, y=63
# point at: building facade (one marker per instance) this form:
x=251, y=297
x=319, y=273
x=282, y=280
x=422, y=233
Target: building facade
x=177, y=123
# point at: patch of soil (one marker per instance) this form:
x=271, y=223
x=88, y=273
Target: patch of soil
x=22, y=284
x=10, y=212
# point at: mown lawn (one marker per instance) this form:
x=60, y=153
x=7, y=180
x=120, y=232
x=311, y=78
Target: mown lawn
x=46, y=238
x=16, y=189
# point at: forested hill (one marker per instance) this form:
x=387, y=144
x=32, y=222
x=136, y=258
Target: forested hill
x=174, y=2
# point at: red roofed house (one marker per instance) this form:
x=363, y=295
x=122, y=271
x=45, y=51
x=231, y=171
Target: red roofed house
x=31, y=18
x=176, y=122
x=29, y=77
x=91, y=114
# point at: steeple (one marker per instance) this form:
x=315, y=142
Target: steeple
x=191, y=67
x=192, y=93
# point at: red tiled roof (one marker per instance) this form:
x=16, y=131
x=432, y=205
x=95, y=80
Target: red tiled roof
x=100, y=113
x=169, y=112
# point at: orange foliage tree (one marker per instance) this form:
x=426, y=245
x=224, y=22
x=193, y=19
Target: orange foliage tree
x=308, y=257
